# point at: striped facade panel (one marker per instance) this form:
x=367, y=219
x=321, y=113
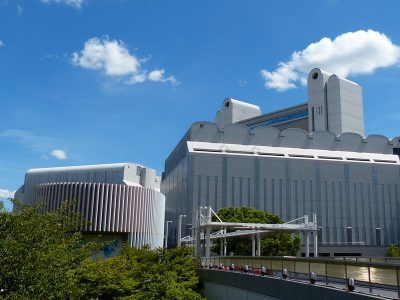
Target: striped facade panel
x=110, y=208
x=357, y=203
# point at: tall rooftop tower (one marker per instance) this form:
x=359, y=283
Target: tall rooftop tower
x=233, y=111
x=334, y=104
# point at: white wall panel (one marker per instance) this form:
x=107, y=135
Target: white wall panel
x=134, y=210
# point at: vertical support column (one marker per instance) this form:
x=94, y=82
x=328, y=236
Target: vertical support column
x=253, y=245
x=258, y=244
x=315, y=235
x=225, y=246
x=207, y=232
x=207, y=246
x=221, y=247
x=307, y=234
x=307, y=237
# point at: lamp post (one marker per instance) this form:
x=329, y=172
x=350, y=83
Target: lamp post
x=180, y=229
x=166, y=233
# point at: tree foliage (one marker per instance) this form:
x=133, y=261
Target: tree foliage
x=39, y=252
x=142, y=274
x=42, y=256
x=394, y=251
x=273, y=244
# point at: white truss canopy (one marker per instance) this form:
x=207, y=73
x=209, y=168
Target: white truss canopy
x=205, y=225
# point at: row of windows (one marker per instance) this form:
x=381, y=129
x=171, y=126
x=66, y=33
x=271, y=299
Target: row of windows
x=282, y=119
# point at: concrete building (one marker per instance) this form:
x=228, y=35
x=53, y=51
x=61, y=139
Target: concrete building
x=272, y=162
x=122, y=201
x=334, y=104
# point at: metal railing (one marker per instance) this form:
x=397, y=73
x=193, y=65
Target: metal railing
x=381, y=273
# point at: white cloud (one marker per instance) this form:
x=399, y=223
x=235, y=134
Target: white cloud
x=114, y=59
x=242, y=83
x=110, y=56
x=4, y=193
x=59, y=154
x=73, y=3
x=2, y=44
x=351, y=53
x=19, y=9
x=158, y=75
x=137, y=78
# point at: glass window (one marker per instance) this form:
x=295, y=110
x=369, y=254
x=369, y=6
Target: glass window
x=282, y=119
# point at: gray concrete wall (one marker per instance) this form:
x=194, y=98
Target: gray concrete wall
x=291, y=137
x=363, y=196
x=345, y=106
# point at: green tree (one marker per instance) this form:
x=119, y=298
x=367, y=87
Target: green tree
x=39, y=253
x=142, y=274
x=394, y=251
x=42, y=256
x=272, y=244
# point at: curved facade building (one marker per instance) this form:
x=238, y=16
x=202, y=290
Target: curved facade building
x=118, y=200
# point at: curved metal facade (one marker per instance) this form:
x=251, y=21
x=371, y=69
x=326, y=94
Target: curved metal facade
x=111, y=208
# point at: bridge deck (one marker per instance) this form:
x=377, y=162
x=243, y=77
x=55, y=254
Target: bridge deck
x=370, y=277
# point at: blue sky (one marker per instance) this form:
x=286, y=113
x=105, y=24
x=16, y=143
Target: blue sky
x=88, y=82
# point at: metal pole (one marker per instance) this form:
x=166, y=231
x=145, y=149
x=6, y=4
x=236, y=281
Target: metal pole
x=253, y=245
x=307, y=234
x=180, y=229
x=166, y=233
x=225, y=246
x=207, y=233
x=258, y=244
x=307, y=244
x=315, y=234
x=326, y=273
